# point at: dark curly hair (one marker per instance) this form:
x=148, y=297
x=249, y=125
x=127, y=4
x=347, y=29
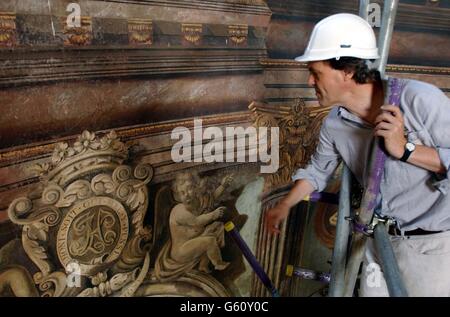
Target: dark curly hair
x=362, y=73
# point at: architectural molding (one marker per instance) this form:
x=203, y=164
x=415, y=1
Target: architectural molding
x=97, y=7
x=310, y=9
x=255, y=7
x=408, y=15
x=23, y=66
x=269, y=63
x=29, y=152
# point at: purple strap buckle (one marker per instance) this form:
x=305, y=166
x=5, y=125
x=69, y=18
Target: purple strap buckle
x=359, y=227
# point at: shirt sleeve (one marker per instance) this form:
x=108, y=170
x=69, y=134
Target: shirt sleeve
x=322, y=164
x=442, y=182
x=433, y=108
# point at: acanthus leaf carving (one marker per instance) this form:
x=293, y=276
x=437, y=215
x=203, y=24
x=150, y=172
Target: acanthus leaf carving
x=37, y=252
x=299, y=127
x=80, y=189
x=103, y=184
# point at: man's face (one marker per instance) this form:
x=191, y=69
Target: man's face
x=327, y=82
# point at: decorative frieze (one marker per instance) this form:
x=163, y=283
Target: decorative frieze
x=192, y=33
x=140, y=32
x=78, y=35
x=7, y=29
x=238, y=34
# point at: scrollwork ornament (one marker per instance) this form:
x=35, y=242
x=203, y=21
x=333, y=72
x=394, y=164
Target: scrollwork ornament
x=53, y=285
x=143, y=172
x=20, y=207
x=52, y=194
x=91, y=212
x=121, y=174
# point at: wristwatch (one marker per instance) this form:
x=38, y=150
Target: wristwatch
x=409, y=148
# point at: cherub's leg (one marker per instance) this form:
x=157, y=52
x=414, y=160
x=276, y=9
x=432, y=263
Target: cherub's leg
x=204, y=264
x=221, y=237
x=214, y=255
x=197, y=247
x=216, y=228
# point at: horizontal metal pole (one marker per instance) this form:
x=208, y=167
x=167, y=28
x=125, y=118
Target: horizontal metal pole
x=306, y=274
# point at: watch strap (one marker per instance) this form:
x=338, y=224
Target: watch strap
x=406, y=155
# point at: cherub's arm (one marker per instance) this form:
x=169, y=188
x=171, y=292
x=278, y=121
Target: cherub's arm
x=186, y=218
x=226, y=181
x=207, y=218
x=219, y=191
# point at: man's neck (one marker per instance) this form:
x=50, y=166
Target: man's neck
x=365, y=101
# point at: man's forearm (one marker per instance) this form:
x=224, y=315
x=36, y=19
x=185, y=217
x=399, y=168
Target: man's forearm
x=301, y=189
x=427, y=158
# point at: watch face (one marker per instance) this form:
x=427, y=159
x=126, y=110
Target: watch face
x=410, y=146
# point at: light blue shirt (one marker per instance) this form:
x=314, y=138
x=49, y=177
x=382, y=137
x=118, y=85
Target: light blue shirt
x=415, y=197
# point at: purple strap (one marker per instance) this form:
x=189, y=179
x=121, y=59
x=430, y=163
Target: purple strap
x=329, y=198
x=378, y=159
x=257, y=268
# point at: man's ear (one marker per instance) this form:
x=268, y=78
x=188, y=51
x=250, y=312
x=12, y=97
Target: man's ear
x=348, y=75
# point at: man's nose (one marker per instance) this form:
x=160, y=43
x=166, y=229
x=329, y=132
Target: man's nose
x=311, y=81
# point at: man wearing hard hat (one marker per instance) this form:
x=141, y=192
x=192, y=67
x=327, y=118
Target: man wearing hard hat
x=413, y=190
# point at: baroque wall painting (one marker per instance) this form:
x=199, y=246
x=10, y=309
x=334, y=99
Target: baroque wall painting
x=95, y=217
x=92, y=201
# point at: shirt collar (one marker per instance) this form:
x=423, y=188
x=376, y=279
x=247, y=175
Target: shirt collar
x=348, y=116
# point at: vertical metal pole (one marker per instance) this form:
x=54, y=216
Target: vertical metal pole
x=364, y=9
x=389, y=264
x=341, y=241
x=385, y=36
x=377, y=157
x=369, y=200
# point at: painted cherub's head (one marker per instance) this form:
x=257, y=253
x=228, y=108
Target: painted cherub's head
x=186, y=187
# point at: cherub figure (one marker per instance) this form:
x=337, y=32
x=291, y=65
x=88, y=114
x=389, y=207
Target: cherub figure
x=196, y=236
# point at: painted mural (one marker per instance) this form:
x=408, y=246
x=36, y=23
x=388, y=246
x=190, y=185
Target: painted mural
x=132, y=132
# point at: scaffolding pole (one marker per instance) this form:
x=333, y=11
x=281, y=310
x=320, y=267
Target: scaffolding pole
x=342, y=235
x=389, y=264
x=377, y=157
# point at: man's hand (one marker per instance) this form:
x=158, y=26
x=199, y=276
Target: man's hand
x=389, y=125
x=274, y=216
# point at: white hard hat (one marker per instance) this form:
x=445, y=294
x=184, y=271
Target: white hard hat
x=341, y=35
